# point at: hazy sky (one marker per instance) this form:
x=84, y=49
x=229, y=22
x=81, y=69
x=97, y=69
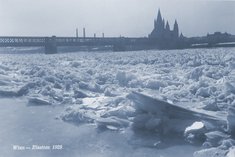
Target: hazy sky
x=113, y=17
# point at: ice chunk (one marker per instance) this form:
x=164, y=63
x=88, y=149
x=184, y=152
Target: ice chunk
x=227, y=143
x=205, y=91
x=211, y=152
x=161, y=107
x=111, y=92
x=124, y=77
x=194, y=126
x=231, y=152
x=231, y=119
x=112, y=121
x=195, y=133
x=5, y=68
x=22, y=91
x=196, y=73
x=215, y=137
x=75, y=64
x=78, y=116
x=155, y=112
x=211, y=105
x=80, y=94
x=25, y=89
x=230, y=88
x=124, y=112
x=155, y=84
x=4, y=83
x=94, y=103
x=94, y=87
x=38, y=102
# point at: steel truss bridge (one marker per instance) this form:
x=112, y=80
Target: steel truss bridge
x=51, y=43
x=117, y=43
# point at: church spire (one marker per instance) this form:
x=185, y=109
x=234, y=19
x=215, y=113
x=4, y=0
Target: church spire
x=159, y=16
x=163, y=23
x=159, y=22
x=181, y=35
x=176, y=29
x=167, y=26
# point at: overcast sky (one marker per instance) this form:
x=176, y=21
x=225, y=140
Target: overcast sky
x=133, y=18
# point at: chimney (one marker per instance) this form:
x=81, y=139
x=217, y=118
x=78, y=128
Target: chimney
x=84, y=32
x=76, y=32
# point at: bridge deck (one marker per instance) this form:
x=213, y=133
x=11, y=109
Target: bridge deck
x=67, y=41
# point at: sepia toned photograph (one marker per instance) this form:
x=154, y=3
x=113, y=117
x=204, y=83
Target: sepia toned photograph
x=117, y=78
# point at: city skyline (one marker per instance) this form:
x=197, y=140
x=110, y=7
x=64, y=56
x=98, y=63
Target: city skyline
x=130, y=18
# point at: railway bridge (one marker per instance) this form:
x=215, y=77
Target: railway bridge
x=117, y=43
x=51, y=43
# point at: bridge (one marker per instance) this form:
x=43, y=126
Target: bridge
x=117, y=43
x=51, y=43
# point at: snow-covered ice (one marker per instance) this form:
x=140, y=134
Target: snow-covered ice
x=194, y=126
x=93, y=87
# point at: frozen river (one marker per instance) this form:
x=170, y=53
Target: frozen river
x=81, y=101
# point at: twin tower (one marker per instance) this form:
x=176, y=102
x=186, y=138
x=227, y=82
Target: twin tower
x=162, y=31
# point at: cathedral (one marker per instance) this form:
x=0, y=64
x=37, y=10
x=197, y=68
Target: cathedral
x=162, y=31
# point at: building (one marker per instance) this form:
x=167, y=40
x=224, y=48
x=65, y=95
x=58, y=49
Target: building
x=162, y=31
x=218, y=37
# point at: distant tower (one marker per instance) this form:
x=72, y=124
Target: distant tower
x=159, y=21
x=167, y=27
x=181, y=35
x=76, y=32
x=163, y=23
x=176, y=30
x=84, y=32
x=159, y=25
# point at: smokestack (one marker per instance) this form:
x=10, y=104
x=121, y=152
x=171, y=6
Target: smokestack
x=76, y=32
x=84, y=32
x=94, y=35
x=103, y=35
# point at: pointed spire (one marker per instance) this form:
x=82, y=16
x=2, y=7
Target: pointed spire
x=163, y=23
x=159, y=16
x=181, y=35
x=167, y=26
x=176, y=29
x=176, y=23
x=159, y=19
x=159, y=23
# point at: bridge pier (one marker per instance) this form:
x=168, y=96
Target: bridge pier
x=50, y=45
x=119, y=46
